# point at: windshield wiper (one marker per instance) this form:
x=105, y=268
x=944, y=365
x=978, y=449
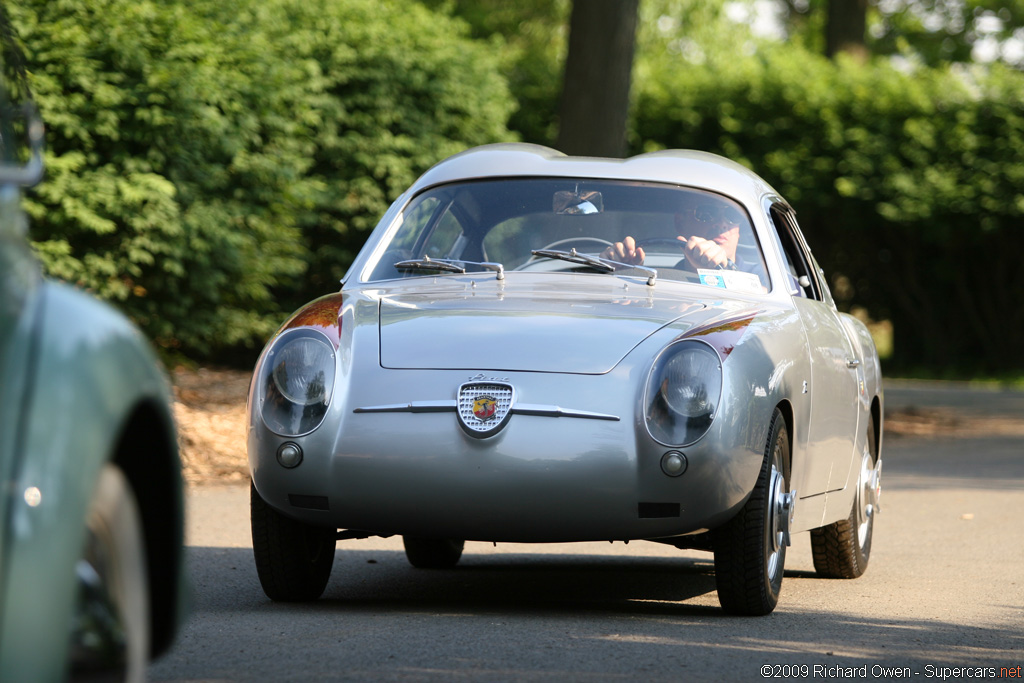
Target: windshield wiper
x=573, y=256
x=598, y=263
x=449, y=265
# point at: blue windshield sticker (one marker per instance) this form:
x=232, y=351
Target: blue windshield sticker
x=734, y=280
x=711, y=278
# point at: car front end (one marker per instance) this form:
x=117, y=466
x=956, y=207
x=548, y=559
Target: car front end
x=466, y=412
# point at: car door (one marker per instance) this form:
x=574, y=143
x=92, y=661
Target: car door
x=834, y=385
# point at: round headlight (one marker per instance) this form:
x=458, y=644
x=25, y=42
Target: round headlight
x=297, y=382
x=691, y=381
x=300, y=370
x=683, y=393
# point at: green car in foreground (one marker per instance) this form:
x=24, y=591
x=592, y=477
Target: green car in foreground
x=91, y=496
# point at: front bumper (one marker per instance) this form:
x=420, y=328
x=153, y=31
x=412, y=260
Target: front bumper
x=541, y=478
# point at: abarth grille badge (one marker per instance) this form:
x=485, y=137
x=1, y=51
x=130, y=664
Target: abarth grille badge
x=484, y=407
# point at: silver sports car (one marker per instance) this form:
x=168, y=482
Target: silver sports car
x=539, y=348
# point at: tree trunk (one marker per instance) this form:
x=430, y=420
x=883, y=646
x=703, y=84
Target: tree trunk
x=595, y=93
x=845, y=28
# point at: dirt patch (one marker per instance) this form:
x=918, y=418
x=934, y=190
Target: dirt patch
x=209, y=407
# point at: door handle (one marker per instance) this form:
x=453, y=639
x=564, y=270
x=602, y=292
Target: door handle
x=852, y=363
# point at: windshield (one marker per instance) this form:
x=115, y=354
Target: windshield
x=682, y=233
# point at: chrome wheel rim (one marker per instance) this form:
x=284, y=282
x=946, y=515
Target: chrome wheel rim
x=868, y=491
x=776, y=510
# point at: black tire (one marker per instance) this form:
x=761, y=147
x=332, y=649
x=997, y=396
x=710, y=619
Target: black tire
x=432, y=553
x=750, y=554
x=111, y=632
x=293, y=559
x=842, y=549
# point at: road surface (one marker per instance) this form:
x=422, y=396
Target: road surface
x=943, y=597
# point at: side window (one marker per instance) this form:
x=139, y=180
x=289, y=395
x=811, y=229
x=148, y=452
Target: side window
x=802, y=279
x=444, y=237
x=413, y=222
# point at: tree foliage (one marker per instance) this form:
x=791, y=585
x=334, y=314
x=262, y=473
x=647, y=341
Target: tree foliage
x=212, y=164
x=531, y=36
x=909, y=186
x=930, y=32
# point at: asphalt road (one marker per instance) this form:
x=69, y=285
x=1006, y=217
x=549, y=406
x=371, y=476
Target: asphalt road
x=943, y=597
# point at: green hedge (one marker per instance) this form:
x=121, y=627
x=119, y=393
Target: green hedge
x=211, y=164
x=908, y=185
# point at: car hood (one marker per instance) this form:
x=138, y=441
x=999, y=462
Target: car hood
x=525, y=327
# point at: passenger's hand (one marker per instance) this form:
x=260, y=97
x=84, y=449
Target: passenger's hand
x=702, y=253
x=625, y=251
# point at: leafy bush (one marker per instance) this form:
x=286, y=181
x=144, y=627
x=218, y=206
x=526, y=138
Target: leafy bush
x=909, y=186
x=401, y=89
x=212, y=164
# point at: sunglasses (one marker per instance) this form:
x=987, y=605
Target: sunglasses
x=715, y=213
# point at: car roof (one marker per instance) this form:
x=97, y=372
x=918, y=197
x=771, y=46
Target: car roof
x=680, y=167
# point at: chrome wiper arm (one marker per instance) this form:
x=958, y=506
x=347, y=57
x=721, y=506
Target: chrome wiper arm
x=572, y=256
x=449, y=265
x=489, y=265
x=605, y=265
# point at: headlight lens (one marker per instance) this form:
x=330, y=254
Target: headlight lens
x=683, y=393
x=297, y=381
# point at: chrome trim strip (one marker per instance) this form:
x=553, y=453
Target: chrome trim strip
x=413, y=407
x=556, y=411
x=517, y=409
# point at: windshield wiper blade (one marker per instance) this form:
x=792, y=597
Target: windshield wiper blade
x=449, y=265
x=427, y=263
x=573, y=256
x=599, y=263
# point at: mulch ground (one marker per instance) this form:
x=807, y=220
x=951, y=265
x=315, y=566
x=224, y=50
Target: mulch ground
x=209, y=409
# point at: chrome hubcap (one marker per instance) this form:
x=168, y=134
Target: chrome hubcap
x=869, y=490
x=780, y=511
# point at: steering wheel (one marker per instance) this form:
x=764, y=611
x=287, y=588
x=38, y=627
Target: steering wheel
x=661, y=242
x=676, y=244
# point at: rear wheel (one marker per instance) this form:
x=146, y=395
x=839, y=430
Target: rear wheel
x=432, y=553
x=750, y=549
x=293, y=559
x=841, y=550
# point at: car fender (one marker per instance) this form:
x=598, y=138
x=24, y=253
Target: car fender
x=90, y=373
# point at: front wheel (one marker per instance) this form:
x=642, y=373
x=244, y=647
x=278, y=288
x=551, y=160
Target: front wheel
x=750, y=549
x=842, y=549
x=293, y=559
x=110, y=634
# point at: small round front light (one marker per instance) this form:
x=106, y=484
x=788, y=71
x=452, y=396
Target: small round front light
x=673, y=463
x=683, y=393
x=289, y=455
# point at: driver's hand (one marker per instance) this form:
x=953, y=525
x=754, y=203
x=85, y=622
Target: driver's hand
x=702, y=253
x=625, y=251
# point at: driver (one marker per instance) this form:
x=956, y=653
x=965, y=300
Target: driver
x=709, y=232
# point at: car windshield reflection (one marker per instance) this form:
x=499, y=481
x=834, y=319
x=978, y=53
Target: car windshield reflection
x=666, y=232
